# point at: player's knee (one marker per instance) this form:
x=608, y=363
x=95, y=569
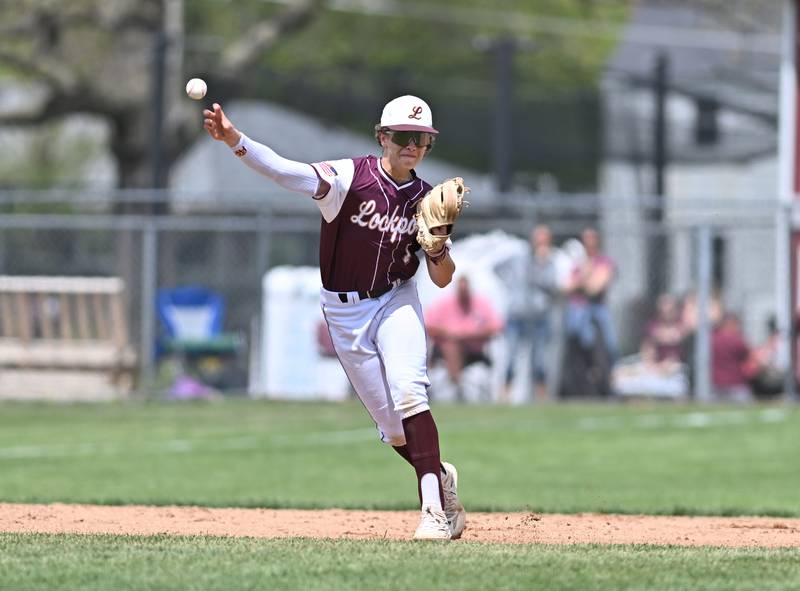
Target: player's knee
x=393, y=435
x=409, y=395
x=395, y=440
x=415, y=409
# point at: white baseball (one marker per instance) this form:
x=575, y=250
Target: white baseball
x=196, y=88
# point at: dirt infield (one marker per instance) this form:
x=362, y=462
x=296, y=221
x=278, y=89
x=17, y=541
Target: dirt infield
x=521, y=528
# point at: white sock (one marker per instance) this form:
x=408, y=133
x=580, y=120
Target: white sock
x=429, y=484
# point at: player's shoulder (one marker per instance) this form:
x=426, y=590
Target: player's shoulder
x=361, y=165
x=331, y=165
x=369, y=161
x=334, y=171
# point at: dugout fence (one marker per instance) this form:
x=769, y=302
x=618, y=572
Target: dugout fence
x=736, y=252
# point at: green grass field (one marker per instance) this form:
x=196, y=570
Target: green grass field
x=96, y=563
x=568, y=458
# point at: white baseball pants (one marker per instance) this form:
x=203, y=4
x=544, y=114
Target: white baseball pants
x=381, y=344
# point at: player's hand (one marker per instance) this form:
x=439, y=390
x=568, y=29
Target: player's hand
x=219, y=126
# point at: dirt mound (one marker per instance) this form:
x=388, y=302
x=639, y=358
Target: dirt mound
x=517, y=528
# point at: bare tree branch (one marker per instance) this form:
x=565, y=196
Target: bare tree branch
x=21, y=119
x=47, y=70
x=262, y=36
x=59, y=105
x=100, y=57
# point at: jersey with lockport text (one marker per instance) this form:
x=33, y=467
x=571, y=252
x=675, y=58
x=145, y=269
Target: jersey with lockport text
x=368, y=233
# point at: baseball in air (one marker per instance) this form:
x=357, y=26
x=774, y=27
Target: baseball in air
x=196, y=88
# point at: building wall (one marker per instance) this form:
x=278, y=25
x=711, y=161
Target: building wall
x=737, y=200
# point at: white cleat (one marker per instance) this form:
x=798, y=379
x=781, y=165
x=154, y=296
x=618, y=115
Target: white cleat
x=453, y=509
x=432, y=525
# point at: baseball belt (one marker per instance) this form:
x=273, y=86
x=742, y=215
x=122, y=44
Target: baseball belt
x=370, y=293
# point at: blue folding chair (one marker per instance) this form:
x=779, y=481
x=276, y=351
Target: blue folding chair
x=192, y=317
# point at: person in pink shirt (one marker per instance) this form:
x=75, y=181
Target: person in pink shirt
x=586, y=290
x=460, y=325
x=588, y=323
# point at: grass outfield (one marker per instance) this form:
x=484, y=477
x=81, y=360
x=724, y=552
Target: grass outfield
x=88, y=563
x=648, y=459
x=565, y=458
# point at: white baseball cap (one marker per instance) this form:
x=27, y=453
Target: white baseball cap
x=408, y=113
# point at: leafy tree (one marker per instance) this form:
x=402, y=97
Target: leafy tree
x=338, y=61
x=346, y=64
x=97, y=57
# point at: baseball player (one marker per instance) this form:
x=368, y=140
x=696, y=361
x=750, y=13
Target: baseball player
x=369, y=253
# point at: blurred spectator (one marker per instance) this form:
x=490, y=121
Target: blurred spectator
x=587, y=289
x=324, y=341
x=589, y=355
x=460, y=325
x=730, y=355
x=690, y=319
x=531, y=279
x=659, y=369
x=689, y=314
x=664, y=336
x=767, y=367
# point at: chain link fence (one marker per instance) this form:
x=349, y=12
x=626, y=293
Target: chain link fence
x=732, y=253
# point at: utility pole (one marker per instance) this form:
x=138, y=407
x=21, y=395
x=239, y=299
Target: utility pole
x=658, y=255
x=503, y=50
x=167, y=65
x=788, y=241
x=157, y=166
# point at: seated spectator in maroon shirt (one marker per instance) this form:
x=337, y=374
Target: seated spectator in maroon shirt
x=730, y=355
x=665, y=333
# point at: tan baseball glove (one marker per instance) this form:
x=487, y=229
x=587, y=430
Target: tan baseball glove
x=437, y=212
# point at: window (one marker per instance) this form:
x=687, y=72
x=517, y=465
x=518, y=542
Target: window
x=706, y=128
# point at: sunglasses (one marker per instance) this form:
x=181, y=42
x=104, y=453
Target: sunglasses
x=422, y=139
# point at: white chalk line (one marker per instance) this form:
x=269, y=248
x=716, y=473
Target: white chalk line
x=691, y=420
x=211, y=444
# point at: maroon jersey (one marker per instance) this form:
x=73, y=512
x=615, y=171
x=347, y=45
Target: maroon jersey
x=368, y=235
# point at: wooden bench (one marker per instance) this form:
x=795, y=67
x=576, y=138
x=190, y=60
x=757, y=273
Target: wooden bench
x=64, y=338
